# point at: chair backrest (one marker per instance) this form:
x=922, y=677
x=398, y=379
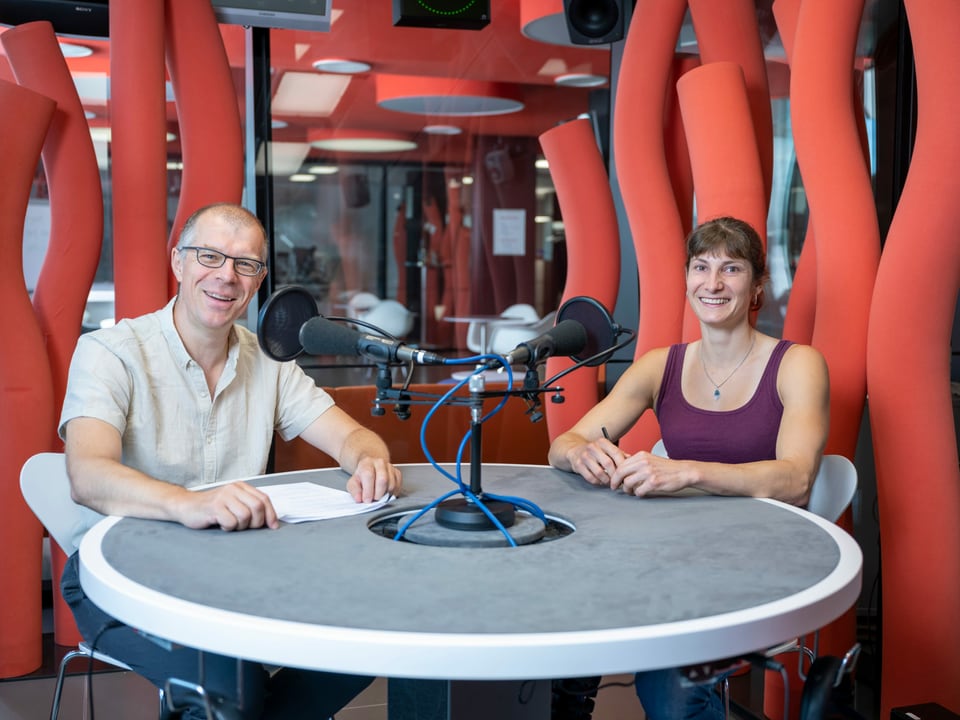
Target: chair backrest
x=361, y=302
x=832, y=490
x=522, y=311
x=46, y=488
x=391, y=317
x=473, y=338
x=505, y=336
x=833, y=487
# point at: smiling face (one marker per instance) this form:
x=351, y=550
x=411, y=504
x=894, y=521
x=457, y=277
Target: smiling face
x=720, y=287
x=213, y=298
x=725, y=271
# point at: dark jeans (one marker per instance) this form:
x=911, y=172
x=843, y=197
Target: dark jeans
x=244, y=689
x=665, y=696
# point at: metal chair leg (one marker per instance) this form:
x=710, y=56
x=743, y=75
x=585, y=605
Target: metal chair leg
x=58, y=690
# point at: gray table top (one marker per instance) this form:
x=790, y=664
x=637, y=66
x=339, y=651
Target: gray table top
x=640, y=584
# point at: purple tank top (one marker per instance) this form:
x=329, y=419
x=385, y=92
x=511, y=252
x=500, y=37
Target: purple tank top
x=746, y=434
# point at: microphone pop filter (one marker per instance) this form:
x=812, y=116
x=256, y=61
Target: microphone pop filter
x=280, y=320
x=600, y=329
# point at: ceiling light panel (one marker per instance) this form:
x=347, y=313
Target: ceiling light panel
x=309, y=94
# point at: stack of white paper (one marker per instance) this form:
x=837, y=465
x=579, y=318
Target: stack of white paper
x=303, y=501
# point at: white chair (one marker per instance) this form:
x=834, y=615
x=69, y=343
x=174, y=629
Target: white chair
x=391, y=317
x=830, y=495
x=833, y=487
x=480, y=332
x=360, y=303
x=832, y=490
x=504, y=337
x=46, y=489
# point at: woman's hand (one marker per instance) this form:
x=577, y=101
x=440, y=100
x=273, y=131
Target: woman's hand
x=596, y=461
x=648, y=474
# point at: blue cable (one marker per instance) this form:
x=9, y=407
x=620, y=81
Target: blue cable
x=462, y=489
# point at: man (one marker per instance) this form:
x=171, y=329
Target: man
x=181, y=398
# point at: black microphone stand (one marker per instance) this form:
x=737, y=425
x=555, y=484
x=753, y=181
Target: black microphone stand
x=463, y=513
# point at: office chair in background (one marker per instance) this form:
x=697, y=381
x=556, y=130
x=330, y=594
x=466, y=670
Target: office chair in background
x=46, y=489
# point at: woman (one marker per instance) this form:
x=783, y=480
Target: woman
x=740, y=413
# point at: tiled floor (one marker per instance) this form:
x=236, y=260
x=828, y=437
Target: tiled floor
x=125, y=696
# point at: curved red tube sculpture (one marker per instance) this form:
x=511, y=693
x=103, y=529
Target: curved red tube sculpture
x=211, y=135
x=76, y=231
x=644, y=178
x=139, y=157
x=908, y=378
x=26, y=388
x=593, y=251
x=728, y=175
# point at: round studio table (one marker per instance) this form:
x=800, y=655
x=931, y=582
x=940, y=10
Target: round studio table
x=640, y=584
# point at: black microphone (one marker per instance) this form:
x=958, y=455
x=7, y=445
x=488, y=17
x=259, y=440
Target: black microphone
x=567, y=337
x=320, y=336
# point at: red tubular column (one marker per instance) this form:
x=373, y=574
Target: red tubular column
x=727, y=171
x=843, y=219
x=908, y=373
x=210, y=130
x=139, y=158
x=593, y=251
x=656, y=226
x=26, y=388
x=76, y=230
x=843, y=214
x=728, y=31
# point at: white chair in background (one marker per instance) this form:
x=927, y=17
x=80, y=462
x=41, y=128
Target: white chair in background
x=390, y=316
x=480, y=332
x=360, y=303
x=504, y=337
x=46, y=489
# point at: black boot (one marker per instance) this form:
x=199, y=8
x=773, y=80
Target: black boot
x=573, y=698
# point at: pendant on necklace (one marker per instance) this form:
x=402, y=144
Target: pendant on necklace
x=716, y=393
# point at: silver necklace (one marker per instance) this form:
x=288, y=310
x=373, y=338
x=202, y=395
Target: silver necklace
x=717, y=386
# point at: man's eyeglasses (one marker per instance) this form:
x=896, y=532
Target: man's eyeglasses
x=208, y=257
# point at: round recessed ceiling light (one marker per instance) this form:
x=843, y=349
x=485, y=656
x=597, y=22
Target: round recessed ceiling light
x=323, y=169
x=442, y=130
x=448, y=97
x=302, y=177
x=580, y=80
x=71, y=50
x=360, y=141
x=341, y=66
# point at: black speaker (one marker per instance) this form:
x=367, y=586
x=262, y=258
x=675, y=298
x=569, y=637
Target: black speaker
x=594, y=22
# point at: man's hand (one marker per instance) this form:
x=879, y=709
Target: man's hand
x=235, y=506
x=374, y=478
